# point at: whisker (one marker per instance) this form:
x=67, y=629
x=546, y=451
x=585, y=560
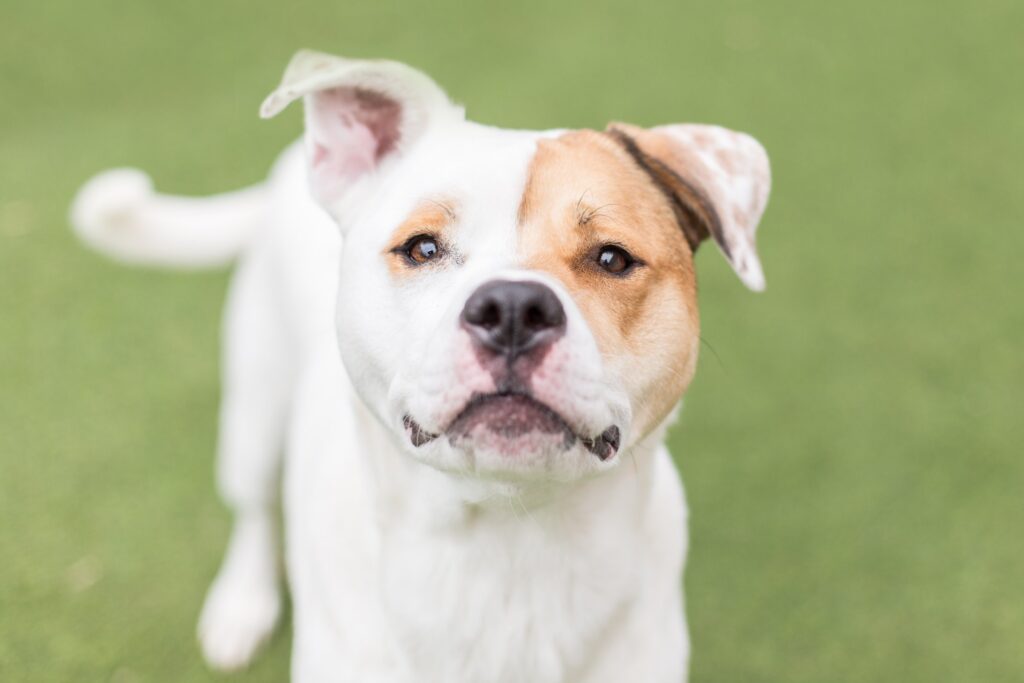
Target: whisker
x=714, y=353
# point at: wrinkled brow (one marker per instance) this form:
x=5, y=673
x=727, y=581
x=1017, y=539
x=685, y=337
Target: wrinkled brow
x=586, y=213
x=446, y=206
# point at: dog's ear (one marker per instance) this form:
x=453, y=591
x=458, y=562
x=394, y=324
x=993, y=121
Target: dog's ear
x=359, y=114
x=717, y=181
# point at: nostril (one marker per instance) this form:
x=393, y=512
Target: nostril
x=490, y=316
x=542, y=312
x=536, y=318
x=483, y=312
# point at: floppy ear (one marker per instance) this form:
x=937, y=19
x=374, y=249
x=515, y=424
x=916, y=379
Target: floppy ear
x=359, y=114
x=717, y=181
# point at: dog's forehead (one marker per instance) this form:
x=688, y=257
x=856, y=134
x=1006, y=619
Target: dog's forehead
x=532, y=200
x=474, y=165
x=495, y=180
x=477, y=172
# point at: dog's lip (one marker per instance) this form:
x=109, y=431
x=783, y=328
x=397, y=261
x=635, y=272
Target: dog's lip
x=417, y=435
x=603, y=445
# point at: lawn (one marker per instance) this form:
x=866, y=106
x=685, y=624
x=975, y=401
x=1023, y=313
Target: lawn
x=850, y=447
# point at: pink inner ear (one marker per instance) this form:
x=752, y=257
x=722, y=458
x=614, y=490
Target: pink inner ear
x=351, y=129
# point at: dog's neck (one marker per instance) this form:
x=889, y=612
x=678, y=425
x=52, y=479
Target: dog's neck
x=571, y=560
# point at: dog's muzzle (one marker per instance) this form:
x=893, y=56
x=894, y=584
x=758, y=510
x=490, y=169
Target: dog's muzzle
x=512, y=325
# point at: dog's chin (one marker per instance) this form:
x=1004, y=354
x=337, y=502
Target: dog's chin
x=514, y=434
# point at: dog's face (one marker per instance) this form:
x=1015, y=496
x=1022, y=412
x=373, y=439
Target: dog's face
x=517, y=305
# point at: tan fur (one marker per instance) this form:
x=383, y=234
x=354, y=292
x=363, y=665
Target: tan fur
x=702, y=168
x=585, y=191
x=430, y=217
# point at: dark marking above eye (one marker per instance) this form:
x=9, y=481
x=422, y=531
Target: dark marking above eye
x=694, y=211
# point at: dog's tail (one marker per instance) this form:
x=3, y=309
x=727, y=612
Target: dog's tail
x=119, y=214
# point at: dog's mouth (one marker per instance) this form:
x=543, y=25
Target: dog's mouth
x=513, y=416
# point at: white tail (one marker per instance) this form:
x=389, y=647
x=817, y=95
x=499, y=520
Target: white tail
x=118, y=213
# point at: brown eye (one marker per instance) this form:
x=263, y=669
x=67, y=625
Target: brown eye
x=615, y=260
x=421, y=249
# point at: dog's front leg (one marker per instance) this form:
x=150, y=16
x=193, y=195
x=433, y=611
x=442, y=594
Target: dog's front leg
x=244, y=602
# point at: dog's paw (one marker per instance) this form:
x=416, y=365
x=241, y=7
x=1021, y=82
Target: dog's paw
x=237, y=618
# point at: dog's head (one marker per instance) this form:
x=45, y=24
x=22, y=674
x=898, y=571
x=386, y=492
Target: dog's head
x=517, y=305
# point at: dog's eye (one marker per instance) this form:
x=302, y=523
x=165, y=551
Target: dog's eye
x=615, y=260
x=421, y=249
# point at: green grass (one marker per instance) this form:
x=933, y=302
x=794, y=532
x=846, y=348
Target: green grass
x=851, y=449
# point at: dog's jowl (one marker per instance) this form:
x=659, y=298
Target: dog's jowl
x=468, y=343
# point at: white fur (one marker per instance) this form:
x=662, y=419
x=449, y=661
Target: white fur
x=430, y=564
x=119, y=214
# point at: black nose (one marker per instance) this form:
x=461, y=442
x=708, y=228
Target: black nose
x=511, y=318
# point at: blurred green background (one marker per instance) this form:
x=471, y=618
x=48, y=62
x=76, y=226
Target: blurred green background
x=851, y=446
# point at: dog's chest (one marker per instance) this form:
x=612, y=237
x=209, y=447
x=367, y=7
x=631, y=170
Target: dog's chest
x=390, y=585
x=504, y=602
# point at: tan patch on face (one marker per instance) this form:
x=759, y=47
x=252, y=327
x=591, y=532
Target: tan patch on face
x=680, y=168
x=585, y=191
x=430, y=217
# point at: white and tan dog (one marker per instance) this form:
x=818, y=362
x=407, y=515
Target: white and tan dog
x=476, y=486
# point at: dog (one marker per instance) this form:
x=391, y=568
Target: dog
x=469, y=343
